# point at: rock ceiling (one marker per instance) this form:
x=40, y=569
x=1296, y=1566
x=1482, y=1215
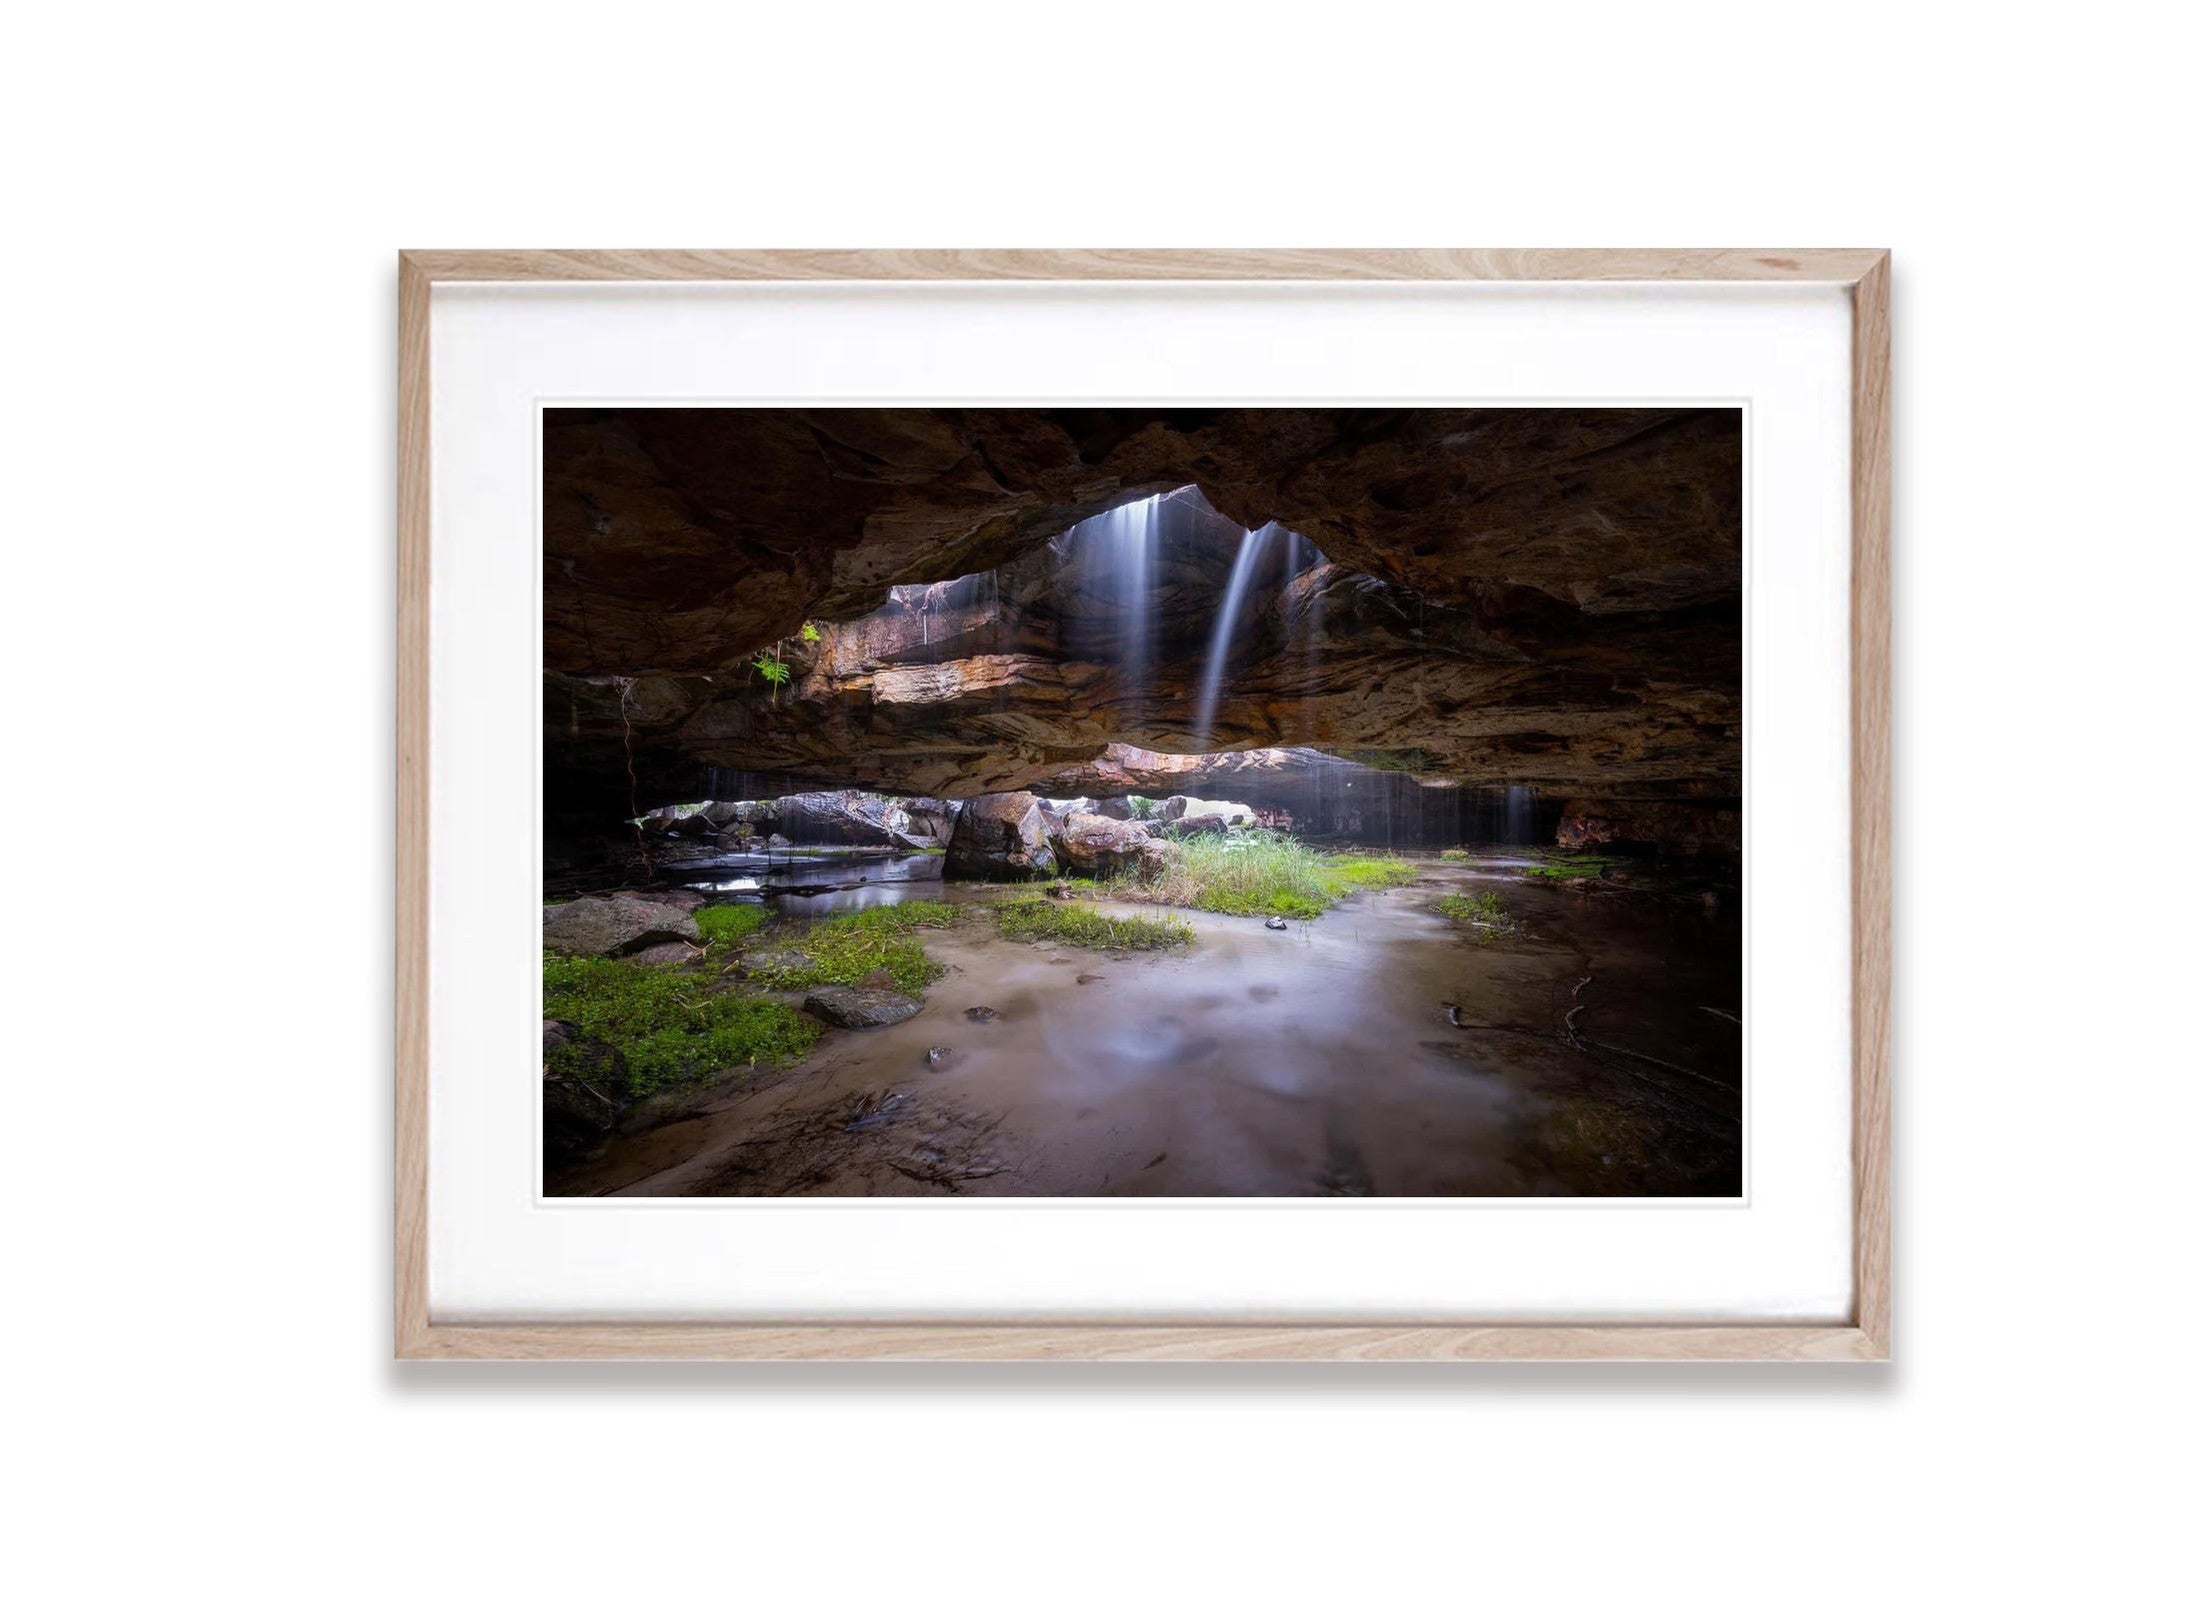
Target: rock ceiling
x=1508, y=596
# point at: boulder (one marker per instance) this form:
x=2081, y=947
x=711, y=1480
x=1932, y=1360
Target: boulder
x=1105, y=847
x=1191, y=825
x=613, y=924
x=835, y=816
x=862, y=1007
x=1003, y=836
x=1116, y=808
x=931, y=821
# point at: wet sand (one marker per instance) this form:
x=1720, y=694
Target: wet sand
x=1375, y=1051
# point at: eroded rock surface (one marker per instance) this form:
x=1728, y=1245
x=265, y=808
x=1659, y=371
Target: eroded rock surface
x=1100, y=846
x=1004, y=836
x=862, y=1007
x=613, y=924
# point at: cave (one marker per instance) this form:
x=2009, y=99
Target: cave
x=1167, y=803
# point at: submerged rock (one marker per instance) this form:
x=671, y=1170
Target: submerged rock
x=981, y=1014
x=613, y=924
x=1004, y=835
x=1277, y=925
x=862, y=1007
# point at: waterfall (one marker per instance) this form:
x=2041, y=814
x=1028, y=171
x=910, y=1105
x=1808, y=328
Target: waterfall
x=1518, y=814
x=1225, y=627
x=1116, y=552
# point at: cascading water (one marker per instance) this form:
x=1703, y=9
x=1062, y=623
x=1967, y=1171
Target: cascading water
x=1518, y=814
x=1118, y=551
x=1225, y=630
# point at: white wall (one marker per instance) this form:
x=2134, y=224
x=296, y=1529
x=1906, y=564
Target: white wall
x=198, y=610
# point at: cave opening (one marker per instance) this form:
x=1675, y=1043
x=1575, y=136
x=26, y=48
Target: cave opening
x=1168, y=776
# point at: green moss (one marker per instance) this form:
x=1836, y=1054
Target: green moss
x=1460, y=854
x=848, y=948
x=1028, y=920
x=1346, y=873
x=729, y=924
x=1565, y=870
x=641, y=1029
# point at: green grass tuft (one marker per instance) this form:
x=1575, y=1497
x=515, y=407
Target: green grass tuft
x=729, y=924
x=1253, y=872
x=1483, y=913
x=1028, y=920
x=642, y=1029
x=848, y=948
x=1459, y=854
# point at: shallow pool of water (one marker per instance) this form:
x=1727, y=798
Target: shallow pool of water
x=1376, y=1051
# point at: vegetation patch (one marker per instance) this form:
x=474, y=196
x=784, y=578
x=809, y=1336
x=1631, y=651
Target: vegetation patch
x=848, y=948
x=1254, y=872
x=1576, y=866
x=1483, y=913
x=1460, y=854
x=1030, y=920
x=641, y=1029
x=729, y=924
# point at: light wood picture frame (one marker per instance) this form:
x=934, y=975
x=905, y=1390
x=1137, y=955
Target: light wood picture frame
x=1864, y=1335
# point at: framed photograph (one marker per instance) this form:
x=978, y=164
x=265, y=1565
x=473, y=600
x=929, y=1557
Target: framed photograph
x=1140, y=804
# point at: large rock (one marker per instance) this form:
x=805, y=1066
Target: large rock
x=862, y=1006
x=839, y=816
x=1104, y=847
x=1003, y=836
x=613, y=924
x=931, y=821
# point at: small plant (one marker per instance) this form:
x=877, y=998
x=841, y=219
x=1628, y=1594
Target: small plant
x=1143, y=809
x=1484, y=913
x=774, y=670
x=729, y=924
x=1459, y=854
x=1029, y=920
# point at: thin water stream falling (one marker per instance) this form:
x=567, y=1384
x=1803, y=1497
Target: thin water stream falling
x=1118, y=548
x=1225, y=630
x=1519, y=824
